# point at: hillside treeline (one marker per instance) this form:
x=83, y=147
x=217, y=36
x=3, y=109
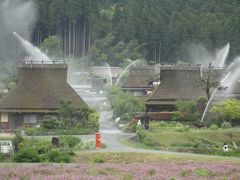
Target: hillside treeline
x=157, y=30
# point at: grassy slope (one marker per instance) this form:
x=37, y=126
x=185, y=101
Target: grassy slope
x=176, y=138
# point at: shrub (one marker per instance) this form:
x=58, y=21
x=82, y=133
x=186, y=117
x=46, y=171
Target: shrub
x=141, y=134
x=27, y=155
x=201, y=103
x=98, y=160
x=93, y=121
x=5, y=157
x=131, y=127
x=18, y=139
x=70, y=141
x=213, y=127
x=31, y=131
x=125, y=118
x=186, y=106
x=50, y=123
x=192, y=117
x=57, y=156
x=181, y=116
x=176, y=116
x=151, y=172
x=42, y=146
x=226, y=125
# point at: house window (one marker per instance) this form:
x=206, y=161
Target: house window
x=30, y=118
x=138, y=93
x=4, y=117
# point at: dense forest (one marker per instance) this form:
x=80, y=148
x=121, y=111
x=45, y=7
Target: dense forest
x=157, y=30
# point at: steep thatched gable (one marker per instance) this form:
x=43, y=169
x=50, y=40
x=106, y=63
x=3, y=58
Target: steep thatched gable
x=139, y=78
x=177, y=84
x=40, y=88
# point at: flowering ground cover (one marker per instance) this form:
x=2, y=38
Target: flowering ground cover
x=146, y=166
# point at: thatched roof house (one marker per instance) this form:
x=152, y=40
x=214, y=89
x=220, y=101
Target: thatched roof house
x=105, y=72
x=138, y=80
x=38, y=91
x=177, y=83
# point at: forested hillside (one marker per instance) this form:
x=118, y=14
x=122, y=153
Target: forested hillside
x=113, y=30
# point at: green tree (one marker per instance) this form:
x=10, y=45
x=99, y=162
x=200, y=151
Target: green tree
x=51, y=45
x=163, y=29
x=124, y=103
x=227, y=110
x=71, y=116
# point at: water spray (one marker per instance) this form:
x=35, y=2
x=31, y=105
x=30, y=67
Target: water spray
x=34, y=52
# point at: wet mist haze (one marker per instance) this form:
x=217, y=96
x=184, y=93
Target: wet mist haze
x=15, y=16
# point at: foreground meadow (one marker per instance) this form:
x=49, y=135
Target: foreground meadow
x=178, y=137
x=127, y=166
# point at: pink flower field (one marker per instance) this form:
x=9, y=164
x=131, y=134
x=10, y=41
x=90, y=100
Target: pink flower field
x=166, y=170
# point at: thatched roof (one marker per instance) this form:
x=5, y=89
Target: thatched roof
x=103, y=71
x=139, y=78
x=177, y=84
x=39, y=89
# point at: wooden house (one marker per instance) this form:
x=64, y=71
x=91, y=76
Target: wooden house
x=176, y=83
x=137, y=81
x=38, y=91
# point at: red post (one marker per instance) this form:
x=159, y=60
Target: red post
x=98, y=140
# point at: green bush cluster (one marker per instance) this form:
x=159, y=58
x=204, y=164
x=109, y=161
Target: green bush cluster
x=213, y=127
x=58, y=157
x=141, y=134
x=18, y=139
x=70, y=131
x=131, y=127
x=226, y=125
x=32, y=155
x=181, y=116
x=71, y=116
x=125, y=104
x=27, y=155
x=49, y=123
x=99, y=160
x=35, y=150
x=68, y=120
x=70, y=141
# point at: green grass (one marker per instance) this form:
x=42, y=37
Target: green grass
x=200, y=172
x=133, y=157
x=108, y=171
x=187, y=139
